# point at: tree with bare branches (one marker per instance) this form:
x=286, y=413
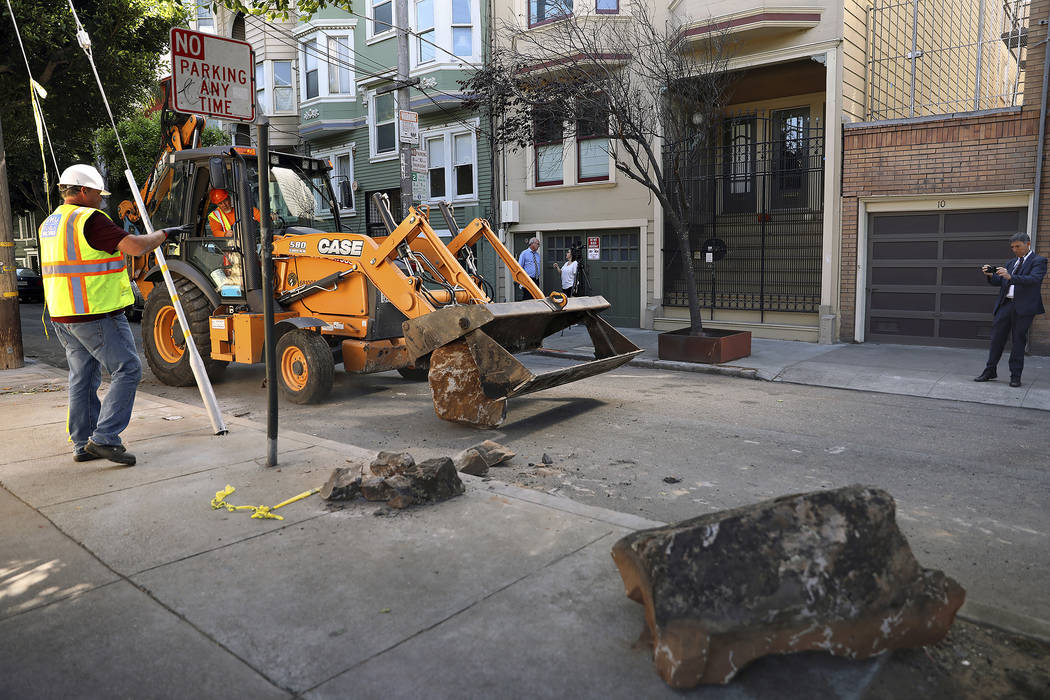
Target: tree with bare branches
x=656, y=95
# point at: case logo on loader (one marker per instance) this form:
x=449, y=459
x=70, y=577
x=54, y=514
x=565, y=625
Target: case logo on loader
x=327, y=246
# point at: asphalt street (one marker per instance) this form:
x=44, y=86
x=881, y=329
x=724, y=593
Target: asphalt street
x=971, y=480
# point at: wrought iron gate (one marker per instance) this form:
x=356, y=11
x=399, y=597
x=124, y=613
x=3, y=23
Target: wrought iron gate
x=762, y=192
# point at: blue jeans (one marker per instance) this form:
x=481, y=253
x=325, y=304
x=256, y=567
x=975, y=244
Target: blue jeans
x=90, y=346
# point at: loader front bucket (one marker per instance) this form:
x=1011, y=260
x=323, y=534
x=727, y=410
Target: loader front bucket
x=472, y=367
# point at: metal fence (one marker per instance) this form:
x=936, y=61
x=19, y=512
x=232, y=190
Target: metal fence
x=927, y=57
x=761, y=192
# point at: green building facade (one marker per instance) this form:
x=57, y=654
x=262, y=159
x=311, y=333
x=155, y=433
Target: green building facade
x=348, y=112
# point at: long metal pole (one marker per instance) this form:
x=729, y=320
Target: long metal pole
x=196, y=363
x=266, y=234
x=403, y=99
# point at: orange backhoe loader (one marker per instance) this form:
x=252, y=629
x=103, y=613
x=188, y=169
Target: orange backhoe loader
x=405, y=302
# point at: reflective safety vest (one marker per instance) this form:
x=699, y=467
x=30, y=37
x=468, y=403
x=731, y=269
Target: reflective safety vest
x=221, y=225
x=79, y=279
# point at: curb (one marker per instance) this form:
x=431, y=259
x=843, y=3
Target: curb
x=745, y=372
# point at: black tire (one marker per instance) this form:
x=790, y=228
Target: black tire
x=164, y=346
x=305, y=367
x=419, y=373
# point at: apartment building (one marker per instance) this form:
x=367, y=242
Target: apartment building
x=810, y=81
x=348, y=109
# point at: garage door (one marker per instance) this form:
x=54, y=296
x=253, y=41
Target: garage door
x=924, y=285
x=616, y=275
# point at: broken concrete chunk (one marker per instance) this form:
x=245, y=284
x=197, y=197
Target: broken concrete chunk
x=402, y=492
x=470, y=461
x=492, y=452
x=547, y=459
x=435, y=480
x=390, y=463
x=343, y=485
x=824, y=570
x=375, y=488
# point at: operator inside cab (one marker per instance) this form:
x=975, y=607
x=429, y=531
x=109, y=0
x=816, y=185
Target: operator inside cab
x=229, y=276
x=222, y=218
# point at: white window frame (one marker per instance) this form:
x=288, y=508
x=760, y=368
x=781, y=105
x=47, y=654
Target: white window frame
x=448, y=133
x=331, y=155
x=432, y=29
x=443, y=56
x=262, y=94
x=373, y=155
x=272, y=88
x=377, y=33
x=203, y=9
x=321, y=33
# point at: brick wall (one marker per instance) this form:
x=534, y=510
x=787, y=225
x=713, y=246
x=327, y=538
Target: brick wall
x=949, y=156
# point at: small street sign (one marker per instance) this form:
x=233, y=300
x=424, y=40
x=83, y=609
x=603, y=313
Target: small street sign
x=594, y=250
x=408, y=127
x=212, y=75
x=419, y=160
x=419, y=186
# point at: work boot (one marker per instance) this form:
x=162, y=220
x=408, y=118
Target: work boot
x=1015, y=381
x=985, y=375
x=114, y=453
x=83, y=456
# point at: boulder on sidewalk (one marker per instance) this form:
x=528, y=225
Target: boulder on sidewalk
x=824, y=570
x=343, y=485
x=390, y=463
x=492, y=452
x=434, y=480
x=470, y=461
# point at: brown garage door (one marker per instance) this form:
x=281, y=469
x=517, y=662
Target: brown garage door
x=923, y=282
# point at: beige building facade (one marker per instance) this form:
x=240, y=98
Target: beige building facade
x=772, y=190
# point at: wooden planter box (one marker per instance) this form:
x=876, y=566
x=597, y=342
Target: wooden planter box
x=713, y=347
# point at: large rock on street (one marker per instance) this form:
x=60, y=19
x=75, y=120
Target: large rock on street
x=825, y=570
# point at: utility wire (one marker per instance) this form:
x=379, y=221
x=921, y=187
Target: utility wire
x=32, y=86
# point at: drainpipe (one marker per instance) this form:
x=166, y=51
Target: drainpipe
x=1042, y=135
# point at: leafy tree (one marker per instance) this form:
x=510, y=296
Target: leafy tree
x=657, y=96
x=282, y=9
x=142, y=143
x=129, y=38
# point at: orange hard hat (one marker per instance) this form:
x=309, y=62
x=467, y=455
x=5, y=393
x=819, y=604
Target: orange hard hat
x=218, y=195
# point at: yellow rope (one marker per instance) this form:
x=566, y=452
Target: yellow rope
x=258, y=512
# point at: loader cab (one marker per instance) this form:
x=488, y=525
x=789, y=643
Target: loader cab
x=301, y=201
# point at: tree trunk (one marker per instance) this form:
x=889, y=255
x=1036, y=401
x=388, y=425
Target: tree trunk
x=696, y=326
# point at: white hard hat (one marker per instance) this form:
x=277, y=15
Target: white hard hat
x=81, y=175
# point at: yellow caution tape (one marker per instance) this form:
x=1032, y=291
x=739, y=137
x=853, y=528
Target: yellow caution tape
x=7, y=245
x=37, y=90
x=10, y=294
x=258, y=512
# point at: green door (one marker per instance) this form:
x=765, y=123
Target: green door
x=616, y=275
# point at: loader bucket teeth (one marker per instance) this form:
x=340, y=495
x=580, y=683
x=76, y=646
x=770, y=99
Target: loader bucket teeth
x=456, y=384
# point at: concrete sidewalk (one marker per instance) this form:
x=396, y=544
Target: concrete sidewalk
x=124, y=582
x=911, y=370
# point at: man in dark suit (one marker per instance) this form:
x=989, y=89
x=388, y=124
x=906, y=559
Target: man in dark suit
x=1020, y=299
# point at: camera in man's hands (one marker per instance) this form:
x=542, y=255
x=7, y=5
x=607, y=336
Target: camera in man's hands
x=991, y=268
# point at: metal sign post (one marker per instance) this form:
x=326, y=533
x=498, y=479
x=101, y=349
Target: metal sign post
x=215, y=76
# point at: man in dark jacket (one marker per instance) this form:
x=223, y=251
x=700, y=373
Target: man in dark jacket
x=1020, y=299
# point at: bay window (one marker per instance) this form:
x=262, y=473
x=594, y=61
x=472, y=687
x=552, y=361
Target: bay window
x=310, y=67
x=425, y=30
